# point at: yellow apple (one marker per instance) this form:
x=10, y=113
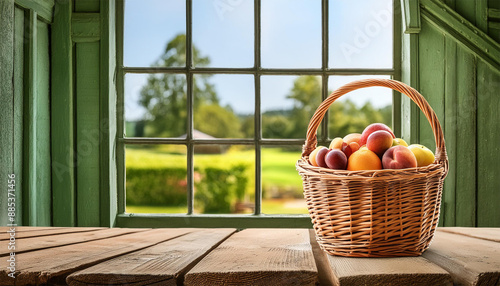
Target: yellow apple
x=423, y=154
x=399, y=141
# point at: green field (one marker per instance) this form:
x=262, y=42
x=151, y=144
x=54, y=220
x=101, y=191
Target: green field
x=281, y=183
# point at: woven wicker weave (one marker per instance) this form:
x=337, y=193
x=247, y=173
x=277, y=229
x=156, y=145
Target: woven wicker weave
x=383, y=213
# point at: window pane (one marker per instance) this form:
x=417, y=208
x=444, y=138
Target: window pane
x=281, y=184
x=156, y=178
x=224, y=105
x=155, y=105
x=287, y=105
x=223, y=33
x=291, y=33
x=224, y=179
x=360, y=34
x=146, y=34
x=357, y=109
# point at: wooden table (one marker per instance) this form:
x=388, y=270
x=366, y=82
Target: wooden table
x=98, y=256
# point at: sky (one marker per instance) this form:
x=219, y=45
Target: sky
x=360, y=36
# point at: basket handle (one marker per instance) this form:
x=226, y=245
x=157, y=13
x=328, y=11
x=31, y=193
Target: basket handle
x=413, y=94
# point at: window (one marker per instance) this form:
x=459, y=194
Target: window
x=217, y=95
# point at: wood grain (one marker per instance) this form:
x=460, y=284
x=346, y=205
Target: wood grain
x=51, y=266
x=164, y=263
x=42, y=242
x=21, y=233
x=387, y=271
x=258, y=257
x=492, y=234
x=470, y=261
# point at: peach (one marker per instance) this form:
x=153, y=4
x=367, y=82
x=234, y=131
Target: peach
x=372, y=128
x=312, y=156
x=320, y=157
x=336, y=143
x=336, y=159
x=399, y=157
x=350, y=148
x=379, y=141
x=353, y=137
x=363, y=159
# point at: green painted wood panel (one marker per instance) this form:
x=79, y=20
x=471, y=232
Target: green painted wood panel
x=62, y=121
x=6, y=98
x=43, y=8
x=466, y=132
x=488, y=152
x=107, y=117
x=18, y=106
x=87, y=134
x=87, y=5
x=450, y=132
x=432, y=71
x=42, y=124
x=467, y=9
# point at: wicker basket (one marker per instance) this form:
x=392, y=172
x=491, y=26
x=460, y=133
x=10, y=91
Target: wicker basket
x=383, y=213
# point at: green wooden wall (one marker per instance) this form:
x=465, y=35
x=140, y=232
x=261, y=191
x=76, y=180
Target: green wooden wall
x=455, y=65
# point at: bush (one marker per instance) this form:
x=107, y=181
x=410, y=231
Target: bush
x=216, y=188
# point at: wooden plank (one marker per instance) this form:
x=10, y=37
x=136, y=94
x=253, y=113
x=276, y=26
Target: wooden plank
x=411, y=16
x=18, y=109
x=4, y=235
x=164, y=263
x=52, y=266
x=488, y=151
x=482, y=15
x=470, y=261
x=462, y=30
x=87, y=6
x=87, y=133
x=410, y=75
x=30, y=228
x=6, y=98
x=258, y=257
x=492, y=234
x=432, y=70
x=450, y=133
x=29, y=120
x=387, y=271
x=85, y=27
x=466, y=129
x=42, y=124
x=42, y=7
x=62, y=122
x=50, y=241
x=108, y=115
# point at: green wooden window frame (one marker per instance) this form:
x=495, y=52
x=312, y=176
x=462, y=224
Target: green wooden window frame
x=230, y=220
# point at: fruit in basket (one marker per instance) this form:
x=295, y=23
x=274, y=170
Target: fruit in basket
x=423, y=154
x=353, y=137
x=399, y=157
x=312, y=156
x=372, y=128
x=379, y=141
x=336, y=159
x=364, y=159
x=350, y=148
x=320, y=157
x=399, y=141
x=336, y=143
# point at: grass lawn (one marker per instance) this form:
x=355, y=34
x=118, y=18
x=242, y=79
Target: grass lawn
x=279, y=206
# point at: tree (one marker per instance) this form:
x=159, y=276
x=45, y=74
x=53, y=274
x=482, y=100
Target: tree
x=306, y=93
x=165, y=95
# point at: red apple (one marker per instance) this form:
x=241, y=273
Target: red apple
x=379, y=141
x=399, y=157
x=336, y=159
x=372, y=128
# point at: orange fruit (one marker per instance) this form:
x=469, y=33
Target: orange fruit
x=364, y=159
